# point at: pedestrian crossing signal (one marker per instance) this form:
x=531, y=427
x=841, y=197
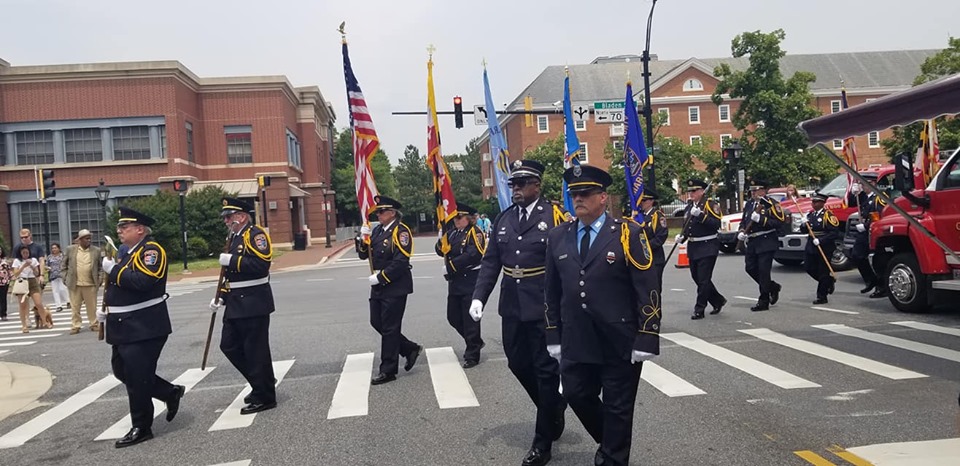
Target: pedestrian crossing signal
x=458, y=112
x=263, y=181
x=180, y=186
x=47, y=184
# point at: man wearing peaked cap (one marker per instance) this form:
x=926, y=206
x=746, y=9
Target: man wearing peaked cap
x=233, y=205
x=526, y=169
x=128, y=215
x=655, y=225
x=82, y=276
x=761, y=220
x=385, y=203
x=824, y=231
x=702, y=220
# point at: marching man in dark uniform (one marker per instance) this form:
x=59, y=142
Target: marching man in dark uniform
x=245, y=339
x=390, y=283
x=868, y=205
x=825, y=226
x=517, y=251
x=655, y=224
x=703, y=216
x=602, y=311
x=137, y=324
x=762, y=219
x=462, y=248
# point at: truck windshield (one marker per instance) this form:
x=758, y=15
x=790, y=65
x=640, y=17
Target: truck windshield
x=838, y=186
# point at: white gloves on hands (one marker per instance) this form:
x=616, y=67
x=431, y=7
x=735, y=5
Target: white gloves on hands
x=741, y=236
x=373, y=278
x=695, y=211
x=225, y=259
x=365, y=231
x=640, y=356
x=678, y=238
x=107, y=264
x=856, y=189
x=476, y=310
x=215, y=304
x=554, y=351
x=101, y=316
x=816, y=242
x=755, y=217
x=861, y=227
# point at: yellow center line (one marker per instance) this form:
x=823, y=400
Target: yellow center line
x=813, y=458
x=849, y=457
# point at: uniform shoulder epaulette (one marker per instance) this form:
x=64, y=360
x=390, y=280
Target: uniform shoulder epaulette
x=403, y=240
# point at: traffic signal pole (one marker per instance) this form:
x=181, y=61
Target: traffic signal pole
x=183, y=229
x=46, y=224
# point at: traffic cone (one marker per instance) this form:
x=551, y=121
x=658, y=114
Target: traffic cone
x=682, y=260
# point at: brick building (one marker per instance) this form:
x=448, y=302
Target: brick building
x=681, y=90
x=139, y=126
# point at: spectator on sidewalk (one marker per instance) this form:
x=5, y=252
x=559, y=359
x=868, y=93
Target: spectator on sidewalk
x=54, y=264
x=6, y=273
x=36, y=252
x=81, y=274
x=28, y=268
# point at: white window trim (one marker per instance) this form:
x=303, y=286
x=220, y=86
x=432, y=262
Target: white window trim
x=877, y=139
x=617, y=129
x=839, y=106
x=665, y=111
x=585, y=152
x=728, y=137
x=695, y=139
x=690, y=115
x=720, y=113
x=692, y=89
x=579, y=125
x=546, y=124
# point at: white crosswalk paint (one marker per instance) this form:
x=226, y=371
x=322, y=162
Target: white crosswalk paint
x=667, y=382
x=188, y=379
x=838, y=311
x=929, y=327
x=351, y=397
x=450, y=384
x=760, y=370
x=854, y=361
x=922, y=348
x=43, y=330
x=235, y=463
x=231, y=417
x=4, y=351
x=19, y=343
x=29, y=336
x=37, y=425
x=745, y=298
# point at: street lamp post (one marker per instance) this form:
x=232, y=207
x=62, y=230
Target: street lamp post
x=731, y=155
x=647, y=109
x=102, y=192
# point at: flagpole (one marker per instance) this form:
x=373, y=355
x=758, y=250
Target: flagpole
x=647, y=111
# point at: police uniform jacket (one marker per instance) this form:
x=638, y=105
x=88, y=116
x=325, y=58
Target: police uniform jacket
x=391, y=249
x=702, y=231
x=655, y=226
x=461, y=260
x=607, y=305
x=518, y=253
x=136, y=295
x=248, y=292
x=867, y=205
x=762, y=236
x=825, y=226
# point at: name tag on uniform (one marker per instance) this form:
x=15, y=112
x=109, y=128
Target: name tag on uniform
x=562, y=257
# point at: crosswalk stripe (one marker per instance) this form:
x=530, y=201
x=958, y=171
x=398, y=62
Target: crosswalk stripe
x=929, y=327
x=235, y=463
x=830, y=309
x=30, y=337
x=4, y=351
x=760, y=370
x=188, y=379
x=922, y=348
x=668, y=383
x=351, y=396
x=813, y=458
x=854, y=361
x=19, y=343
x=43, y=330
x=37, y=425
x=450, y=383
x=231, y=417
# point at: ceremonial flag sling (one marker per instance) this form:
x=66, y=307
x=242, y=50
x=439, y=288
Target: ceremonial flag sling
x=498, y=149
x=572, y=153
x=635, y=157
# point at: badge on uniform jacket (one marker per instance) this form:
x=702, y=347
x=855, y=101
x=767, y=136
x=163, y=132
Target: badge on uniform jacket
x=542, y=226
x=150, y=257
x=261, y=241
x=611, y=257
x=404, y=239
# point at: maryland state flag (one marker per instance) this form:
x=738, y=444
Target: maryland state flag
x=928, y=153
x=442, y=190
x=849, y=148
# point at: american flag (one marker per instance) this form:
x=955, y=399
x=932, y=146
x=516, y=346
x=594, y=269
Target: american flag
x=849, y=148
x=365, y=140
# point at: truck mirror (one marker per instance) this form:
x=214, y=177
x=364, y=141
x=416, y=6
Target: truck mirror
x=903, y=173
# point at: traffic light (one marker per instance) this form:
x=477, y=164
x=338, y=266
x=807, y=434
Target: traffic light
x=47, y=184
x=727, y=154
x=180, y=186
x=263, y=181
x=458, y=112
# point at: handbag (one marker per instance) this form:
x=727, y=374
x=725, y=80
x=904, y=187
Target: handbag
x=21, y=286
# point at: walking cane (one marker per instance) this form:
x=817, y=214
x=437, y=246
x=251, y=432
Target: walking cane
x=111, y=253
x=812, y=236
x=213, y=315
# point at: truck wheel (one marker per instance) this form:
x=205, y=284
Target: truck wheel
x=728, y=248
x=907, y=284
x=839, y=261
x=790, y=262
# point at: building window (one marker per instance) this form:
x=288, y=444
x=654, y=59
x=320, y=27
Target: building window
x=664, y=116
x=86, y=213
x=293, y=150
x=725, y=140
x=724, y=113
x=873, y=139
x=580, y=125
x=695, y=140
x=835, y=106
x=583, y=153
x=693, y=115
x=189, y=142
x=837, y=144
x=616, y=129
x=543, y=124
x=618, y=145
x=3, y=149
x=692, y=85
x=31, y=217
x=131, y=143
x=34, y=147
x=239, y=144
x=83, y=145
x=163, y=141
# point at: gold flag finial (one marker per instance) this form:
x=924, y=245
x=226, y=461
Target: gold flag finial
x=343, y=34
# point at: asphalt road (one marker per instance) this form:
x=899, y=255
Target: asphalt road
x=724, y=390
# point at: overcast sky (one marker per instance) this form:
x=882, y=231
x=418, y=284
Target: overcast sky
x=388, y=41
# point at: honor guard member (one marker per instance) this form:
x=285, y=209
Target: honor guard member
x=655, y=225
x=703, y=220
x=868, y=206
x=462, y=247
x=762, y=219
x=602, y=312
x=137, y=323
x=389, y=250
x=825, y=226
x=517, y=252
x=245, y=339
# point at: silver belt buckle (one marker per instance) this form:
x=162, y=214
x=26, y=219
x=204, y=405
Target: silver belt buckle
x=517, y=272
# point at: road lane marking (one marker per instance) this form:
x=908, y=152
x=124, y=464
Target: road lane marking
x=854, y=361
x=922, y=348
x=450, y=383
x=760, y=370
x=4, y=351
x=931, y=452
x=929, y=327
x=677, y=289
x=839, y=311
x=351, y=397
x=37, y=425
x=746, y=298
x=231, y=417
x=667, y=382
x=235, y=463
x=848, y=457
x=44, y=330
x=813, y=458
x=319, y=279
x=30, y=337
x=19, y=343
x=188, y=379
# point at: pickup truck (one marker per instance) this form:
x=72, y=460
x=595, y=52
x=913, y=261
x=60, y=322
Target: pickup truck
x=730, y=223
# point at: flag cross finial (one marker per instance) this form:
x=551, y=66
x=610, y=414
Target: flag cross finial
x=484, y=62
x=430, y=50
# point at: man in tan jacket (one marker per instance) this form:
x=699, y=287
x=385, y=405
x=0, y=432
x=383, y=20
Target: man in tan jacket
x=82, y=275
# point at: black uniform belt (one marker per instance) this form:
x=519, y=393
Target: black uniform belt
x=760, y=233
x=518, y=272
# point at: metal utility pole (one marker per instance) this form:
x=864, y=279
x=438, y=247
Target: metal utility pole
x=647, y=110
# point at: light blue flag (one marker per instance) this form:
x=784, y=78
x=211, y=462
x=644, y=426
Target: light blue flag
x=498, y=149
x=572, y=154
x=634, y=155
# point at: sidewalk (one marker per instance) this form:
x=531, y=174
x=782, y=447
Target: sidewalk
x=313, y=256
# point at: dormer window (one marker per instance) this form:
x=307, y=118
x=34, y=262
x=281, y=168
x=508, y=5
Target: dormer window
x=692, y=85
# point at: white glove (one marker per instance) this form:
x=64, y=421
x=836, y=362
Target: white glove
x=476, y=310
x=678, y=238
x=755, y=217
x=695, y=211
x=101, y=316
x=861, y=228
x=816, y=242
x=741, y=236
x=856, y=189
x=216, y=304
x=640, y=356
x=373, y=278
x=107, y=264
x=554, y=351
x=365, y=231
x=225, y=259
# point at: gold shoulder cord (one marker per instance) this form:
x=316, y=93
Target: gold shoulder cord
x=249, y=247
x=828, y=216
x=710, y=209
x=396, y=241
x=480, y=241
x=139, y=265
x=778, y=211
x=559, y=216
x=625, y=241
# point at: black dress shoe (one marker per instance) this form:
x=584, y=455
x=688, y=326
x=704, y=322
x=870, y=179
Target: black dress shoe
x=559, y=420
x=470, y=363
x=257, y=407
x=382, y=378
x=173, y=404
x=870, y=286
x=879, y=293
x=598, y=459
x=716, y=310
x=135, y=436
x=820, y=301
x=696, y=316
x=412, y=358
x=760, y=306
x=775, y=293
x=832, y=287
x=536, y=457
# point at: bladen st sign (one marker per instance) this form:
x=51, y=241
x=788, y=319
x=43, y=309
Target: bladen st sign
x=608, y=111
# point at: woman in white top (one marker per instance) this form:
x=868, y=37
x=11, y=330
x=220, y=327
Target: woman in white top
x=28, y=268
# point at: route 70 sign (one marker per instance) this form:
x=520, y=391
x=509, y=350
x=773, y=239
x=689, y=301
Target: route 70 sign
x=608, y=112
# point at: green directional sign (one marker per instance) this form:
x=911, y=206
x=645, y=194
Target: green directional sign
x=611, y=105
x=608, y=112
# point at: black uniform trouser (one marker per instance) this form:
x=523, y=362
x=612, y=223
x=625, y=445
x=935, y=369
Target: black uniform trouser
x=610, y=421
x=660, y=278
x=246, y=343
x=702, y=272
x=758, y=267
x=525, y=344
x=386, y=317
x=861, y=257
x=3, y=302
x=458, y=315
x=818, y=270
x=135, y=364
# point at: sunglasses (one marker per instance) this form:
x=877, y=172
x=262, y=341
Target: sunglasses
x=519, y=183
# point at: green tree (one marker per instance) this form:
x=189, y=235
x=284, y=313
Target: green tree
x=414, y=186
x=550, y=154
x=771, y=107
x=344, y=177
x=673, y=161
x=466, y=176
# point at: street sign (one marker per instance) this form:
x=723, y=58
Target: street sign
x=740, y=179
x=479, y=115
x=581, y=113
x=608, y=112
